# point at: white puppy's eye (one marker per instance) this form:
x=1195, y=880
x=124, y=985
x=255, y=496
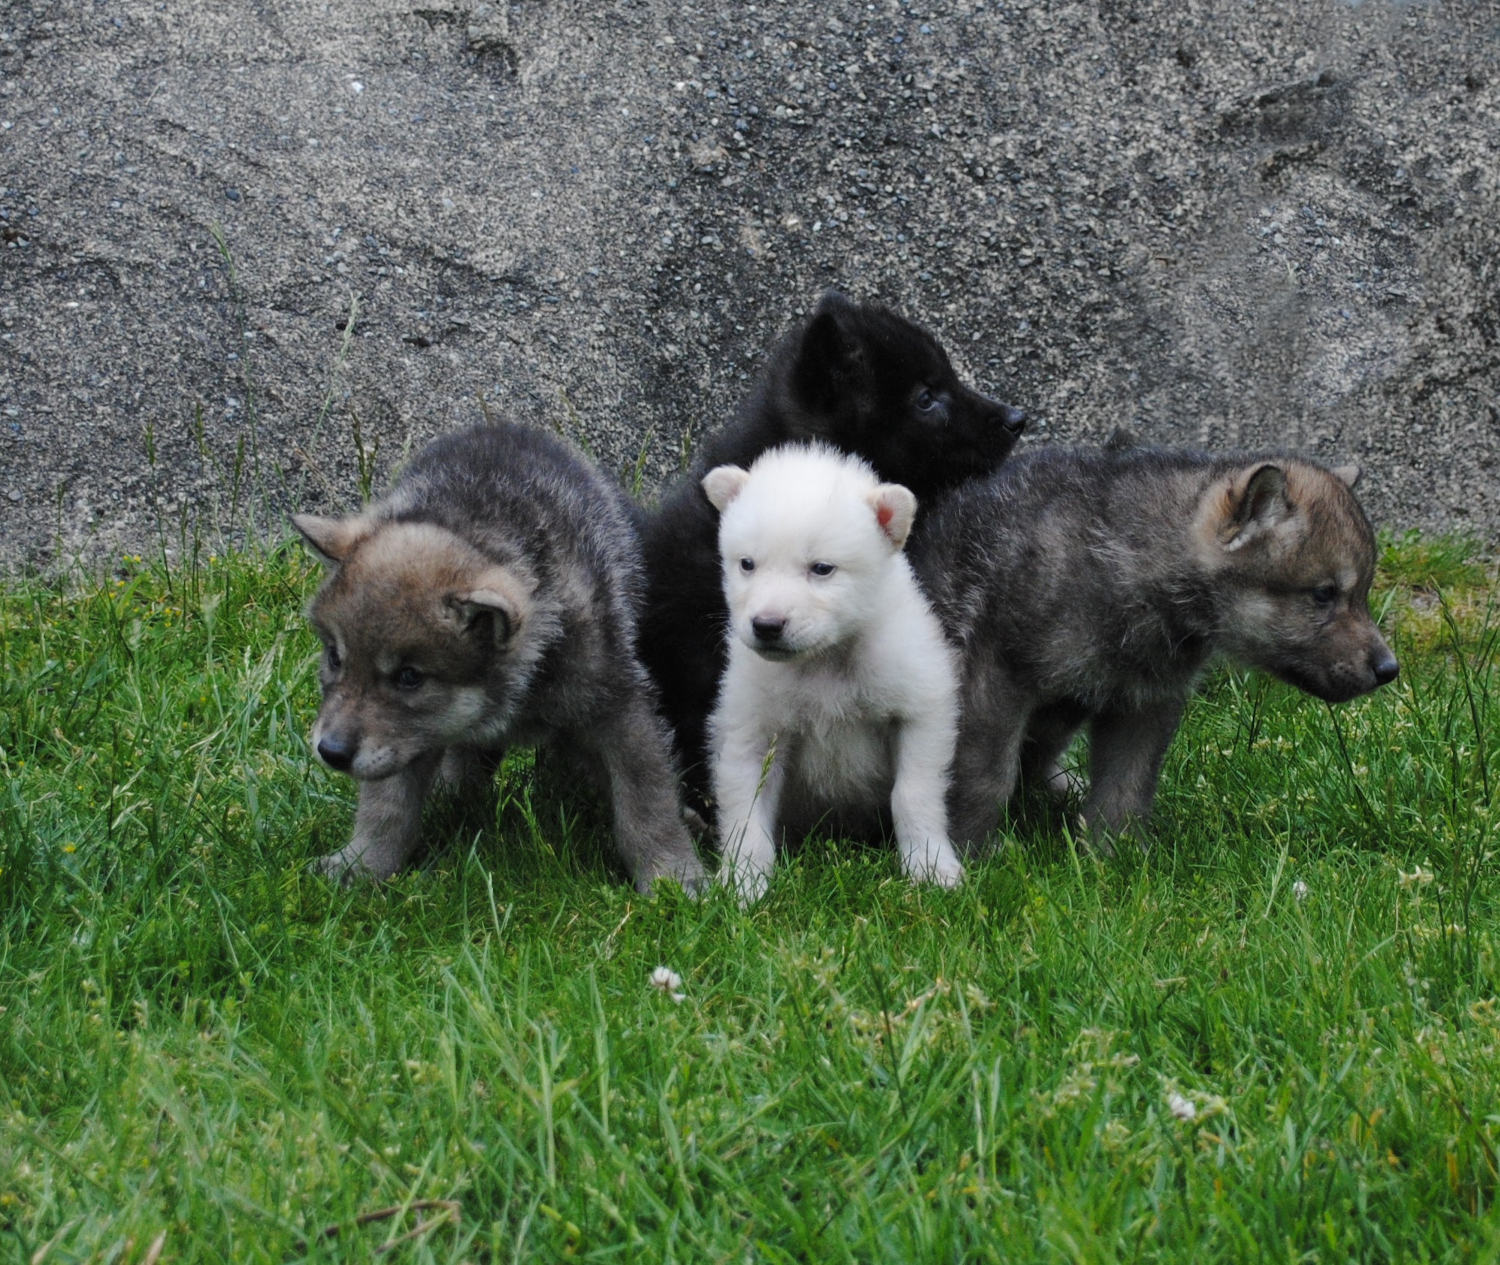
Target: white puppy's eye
x=822, y=569
x=747, y=565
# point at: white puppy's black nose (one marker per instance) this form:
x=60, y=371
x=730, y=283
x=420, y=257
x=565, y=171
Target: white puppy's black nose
x=767, y=631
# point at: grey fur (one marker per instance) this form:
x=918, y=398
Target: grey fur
x=1093, y=587
x=490, y=599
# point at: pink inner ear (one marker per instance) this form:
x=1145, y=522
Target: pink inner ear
x=884, y=514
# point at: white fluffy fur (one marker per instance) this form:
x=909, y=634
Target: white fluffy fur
x=855, y=706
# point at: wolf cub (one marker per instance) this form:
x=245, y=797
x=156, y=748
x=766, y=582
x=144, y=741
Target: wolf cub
x=1093, y=587
x=839, y=697
x=489, y=599
x=856, y=376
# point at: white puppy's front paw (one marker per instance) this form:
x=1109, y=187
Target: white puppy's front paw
x=749, y=883
x=938, y=863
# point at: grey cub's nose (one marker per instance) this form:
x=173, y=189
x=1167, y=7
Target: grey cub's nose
x=767, y=630
x=1385, y=668
x=336, y=753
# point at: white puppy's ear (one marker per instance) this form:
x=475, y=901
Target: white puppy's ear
x=495, y=595
x=332, y=539
x=722, y=484
x=1348, y=474
x=895, y=507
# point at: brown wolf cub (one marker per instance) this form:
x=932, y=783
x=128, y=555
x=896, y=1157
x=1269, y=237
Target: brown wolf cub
x=489, y=599
x=1094, y=586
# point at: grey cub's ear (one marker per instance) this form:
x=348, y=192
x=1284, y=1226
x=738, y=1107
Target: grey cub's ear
x=722, y=484
x=496, y=596
x=332, y=539
x=1348, y=474
x=1257, y=502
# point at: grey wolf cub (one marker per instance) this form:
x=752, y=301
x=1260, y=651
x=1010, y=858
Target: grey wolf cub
x=489, y=599
x=857, y=377
x=839, y=697
x=1094, y=586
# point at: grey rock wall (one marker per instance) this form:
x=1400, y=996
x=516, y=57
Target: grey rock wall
x=251, y=253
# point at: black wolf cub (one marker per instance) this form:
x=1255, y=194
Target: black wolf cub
x=1094, y=586
x=489, y=599
x=856, y=377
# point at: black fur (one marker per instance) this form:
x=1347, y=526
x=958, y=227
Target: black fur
x=856, y=376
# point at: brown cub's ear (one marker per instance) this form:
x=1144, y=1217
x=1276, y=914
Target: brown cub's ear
x=722, y=484
x=895, y=507
x=1256, y=503
x=1348, y=474
x=495, y=595
x=332, y=538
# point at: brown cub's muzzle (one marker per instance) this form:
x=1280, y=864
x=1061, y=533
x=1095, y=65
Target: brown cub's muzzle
x=1362, y=676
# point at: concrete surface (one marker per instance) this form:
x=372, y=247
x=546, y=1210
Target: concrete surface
x=250, y=253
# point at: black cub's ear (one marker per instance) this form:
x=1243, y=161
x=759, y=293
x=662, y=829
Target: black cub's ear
x=830, y=353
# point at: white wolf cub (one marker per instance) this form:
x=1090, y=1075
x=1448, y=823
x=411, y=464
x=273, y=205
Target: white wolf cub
x=840, y=697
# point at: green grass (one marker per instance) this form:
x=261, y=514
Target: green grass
x=207, y=1054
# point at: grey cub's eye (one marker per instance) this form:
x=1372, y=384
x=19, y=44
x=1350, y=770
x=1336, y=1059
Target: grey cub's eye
x=1325, y=594
x=407, y=678
x=822, y=569
x=747, y=565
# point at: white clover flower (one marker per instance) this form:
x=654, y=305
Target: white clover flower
x=1418, y=877
x=1299, y=890
x=1182, y=1108
x=668, y=981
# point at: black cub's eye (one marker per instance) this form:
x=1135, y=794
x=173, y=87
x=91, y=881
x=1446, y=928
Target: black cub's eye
x=1325, y=594
x=822, y=568
x=407, y=678
x=926, y=402
x=747, y=565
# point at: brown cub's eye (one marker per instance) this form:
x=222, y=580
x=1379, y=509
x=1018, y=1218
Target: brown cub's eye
x=407, y=678
x=1325, y=594
x=335, y=660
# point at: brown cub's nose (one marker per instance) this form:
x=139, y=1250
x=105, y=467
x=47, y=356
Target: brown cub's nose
x=337, y=753
x=767, y=630
x=1384, y=666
